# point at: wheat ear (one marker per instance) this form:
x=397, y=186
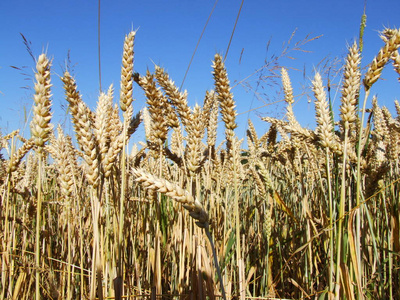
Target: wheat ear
x=212, y=123
x=15, y=160
x=82, y=117
x=102, y=122
x=195, y=208
x=375, y=70
x=178, y=99
x=40, y=125
x=127, y=72
x=225, y=98
x=195, y=135
x=351, y=88
x=325, y=127
x=157, y=103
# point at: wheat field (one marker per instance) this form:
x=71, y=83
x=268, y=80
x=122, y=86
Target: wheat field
x=298, y=214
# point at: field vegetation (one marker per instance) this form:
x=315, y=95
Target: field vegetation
x=298, y=213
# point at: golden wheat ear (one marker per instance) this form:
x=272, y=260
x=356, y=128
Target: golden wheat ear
x=40, y=125
x=153, y=183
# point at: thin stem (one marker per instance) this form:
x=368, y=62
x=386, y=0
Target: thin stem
x=121, y=207
x=206, y=229
x=69, y=251
x=358, y=190
x=331, y=232
x=339, y=234
x=98, y=41
x=38, y=221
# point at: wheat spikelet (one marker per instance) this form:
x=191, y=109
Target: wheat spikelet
x=259, y=184
x=225, y=99
x=177, y=141
x=147, y=123
x=128, y=114
x=293, y=127
x=60, y=152
x=112, y=154
x=10, y=135
x=287, y=86
x=171, y=116
x=30, y=173
x=88, y=144
x=266, y=185
x=150, y=182
x=252, y=134
x=195, y=135
x=378, y=150
x=386, y=35
x=393, y=139
x=351, y=88
x=381, y=130
x=209, y=100
x=116, y=126
x=134, y=124
x=118, y=139
x=15, y=160
x=393, y=151
x=73, y=96
x=268, y=140
x=397, y=105
x=325, y=128
x=396, y=62
x=156, y=106
x=178, y=99
x=279, y=125
x=40, y=125
x=375, y=70
x=116, y=143
x=212, y=123
x=83, y=119
x=102, y=121
x=127, y=72
x=72, y=155
x=74, y=99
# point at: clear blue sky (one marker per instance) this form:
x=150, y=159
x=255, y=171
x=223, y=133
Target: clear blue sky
x=167, y=35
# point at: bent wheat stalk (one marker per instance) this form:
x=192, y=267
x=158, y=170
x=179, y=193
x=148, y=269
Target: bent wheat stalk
x=195, y=208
